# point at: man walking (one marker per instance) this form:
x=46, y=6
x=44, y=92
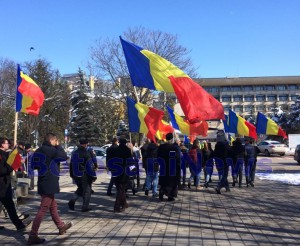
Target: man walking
x=109, y=154
x=169, y=160
x=121, y=157
x=47, y=158
x=5, y=187
x=82, y=170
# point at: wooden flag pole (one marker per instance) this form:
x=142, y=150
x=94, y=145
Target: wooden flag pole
x=16, y=129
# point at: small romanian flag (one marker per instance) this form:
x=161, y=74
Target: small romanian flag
x=14, y=159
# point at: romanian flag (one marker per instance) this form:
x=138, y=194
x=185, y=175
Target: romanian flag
x=163, y=129
x=237, y=124
x=192, y=130
x=265, y=125
x=149, y=70
x=14, y=159
x=143, y=119
x=29, y=96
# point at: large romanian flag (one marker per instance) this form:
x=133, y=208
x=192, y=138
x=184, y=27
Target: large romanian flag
x=14, y=159
x=237, y=124
x=143, y=119
x=149, y=70
x=192, y=130
x=163, y=129
x=29, y=96
x=265, y=125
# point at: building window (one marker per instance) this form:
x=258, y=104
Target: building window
x=283, y=98
x=249, y=98
x=294, y=97
x=260, y=98
x=227, y=107
x=260, y=108
x=225, y=88
x=226, y=98
x=248, y=88
x=237, y=98
x=292, y=87
x=238, y=108
x=259, y=88
x=272, y=98
x=212, y=89
x=236, y=88
x=270, y=87
x=280, y=87
x=248, y=108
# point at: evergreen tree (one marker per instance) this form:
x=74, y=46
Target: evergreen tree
x=81, y=122
x=293, y=119
x=122, y=129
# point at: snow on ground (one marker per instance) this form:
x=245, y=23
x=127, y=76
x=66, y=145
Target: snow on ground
x=288, y=178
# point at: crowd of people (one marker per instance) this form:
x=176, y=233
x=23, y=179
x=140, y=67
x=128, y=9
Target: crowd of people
x=166, y=165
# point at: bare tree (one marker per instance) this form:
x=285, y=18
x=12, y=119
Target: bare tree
x=108, y=61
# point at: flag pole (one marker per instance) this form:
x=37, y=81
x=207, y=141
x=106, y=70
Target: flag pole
x=16, y=129
x=138, y=100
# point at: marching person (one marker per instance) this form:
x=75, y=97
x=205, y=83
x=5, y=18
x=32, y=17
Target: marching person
x=220, y=155
x=47, y=158
x=250, y=162
x=6, y=197
x=109, y=151
x=169, y=176
x=238, y=156
x=118, y=165
x=82, y=170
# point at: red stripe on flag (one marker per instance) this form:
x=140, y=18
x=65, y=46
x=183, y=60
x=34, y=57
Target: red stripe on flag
x=152, y=120
x=252, y=129
x=196, y=103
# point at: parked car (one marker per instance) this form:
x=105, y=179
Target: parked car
x=269, y=147
x=297, y=154
x=101, y=156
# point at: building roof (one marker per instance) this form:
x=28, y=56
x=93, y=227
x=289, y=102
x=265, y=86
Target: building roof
x=238, y=81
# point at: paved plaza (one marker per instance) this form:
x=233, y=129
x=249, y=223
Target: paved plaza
x=268, y=214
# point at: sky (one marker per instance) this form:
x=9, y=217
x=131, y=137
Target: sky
x=227, y=38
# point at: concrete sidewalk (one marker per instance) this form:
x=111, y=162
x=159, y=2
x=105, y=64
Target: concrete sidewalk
x=268, y=214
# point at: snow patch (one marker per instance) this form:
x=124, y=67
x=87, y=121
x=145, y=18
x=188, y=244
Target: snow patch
x=288, y=178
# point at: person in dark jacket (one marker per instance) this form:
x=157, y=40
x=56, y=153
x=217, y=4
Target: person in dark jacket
x=121, y=157
x=237, y=155
x=109, y=153
x=169, y=176
x=220, y=154
x=47, y=160
x=152, y=168
x=82, y=170
x=5, y=187
x=250, y=162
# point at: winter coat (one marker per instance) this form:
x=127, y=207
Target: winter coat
x=237, y=152
x=151, y=156
x=167, y=177
x=5, y=170
x=120, y=170
x=109, y=153
x=220, y=154
x=250, y=154
x=86, y=164
x=47, y=160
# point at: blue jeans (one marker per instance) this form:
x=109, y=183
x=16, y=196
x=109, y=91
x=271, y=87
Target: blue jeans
x=152, y=178
x=197, y=175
